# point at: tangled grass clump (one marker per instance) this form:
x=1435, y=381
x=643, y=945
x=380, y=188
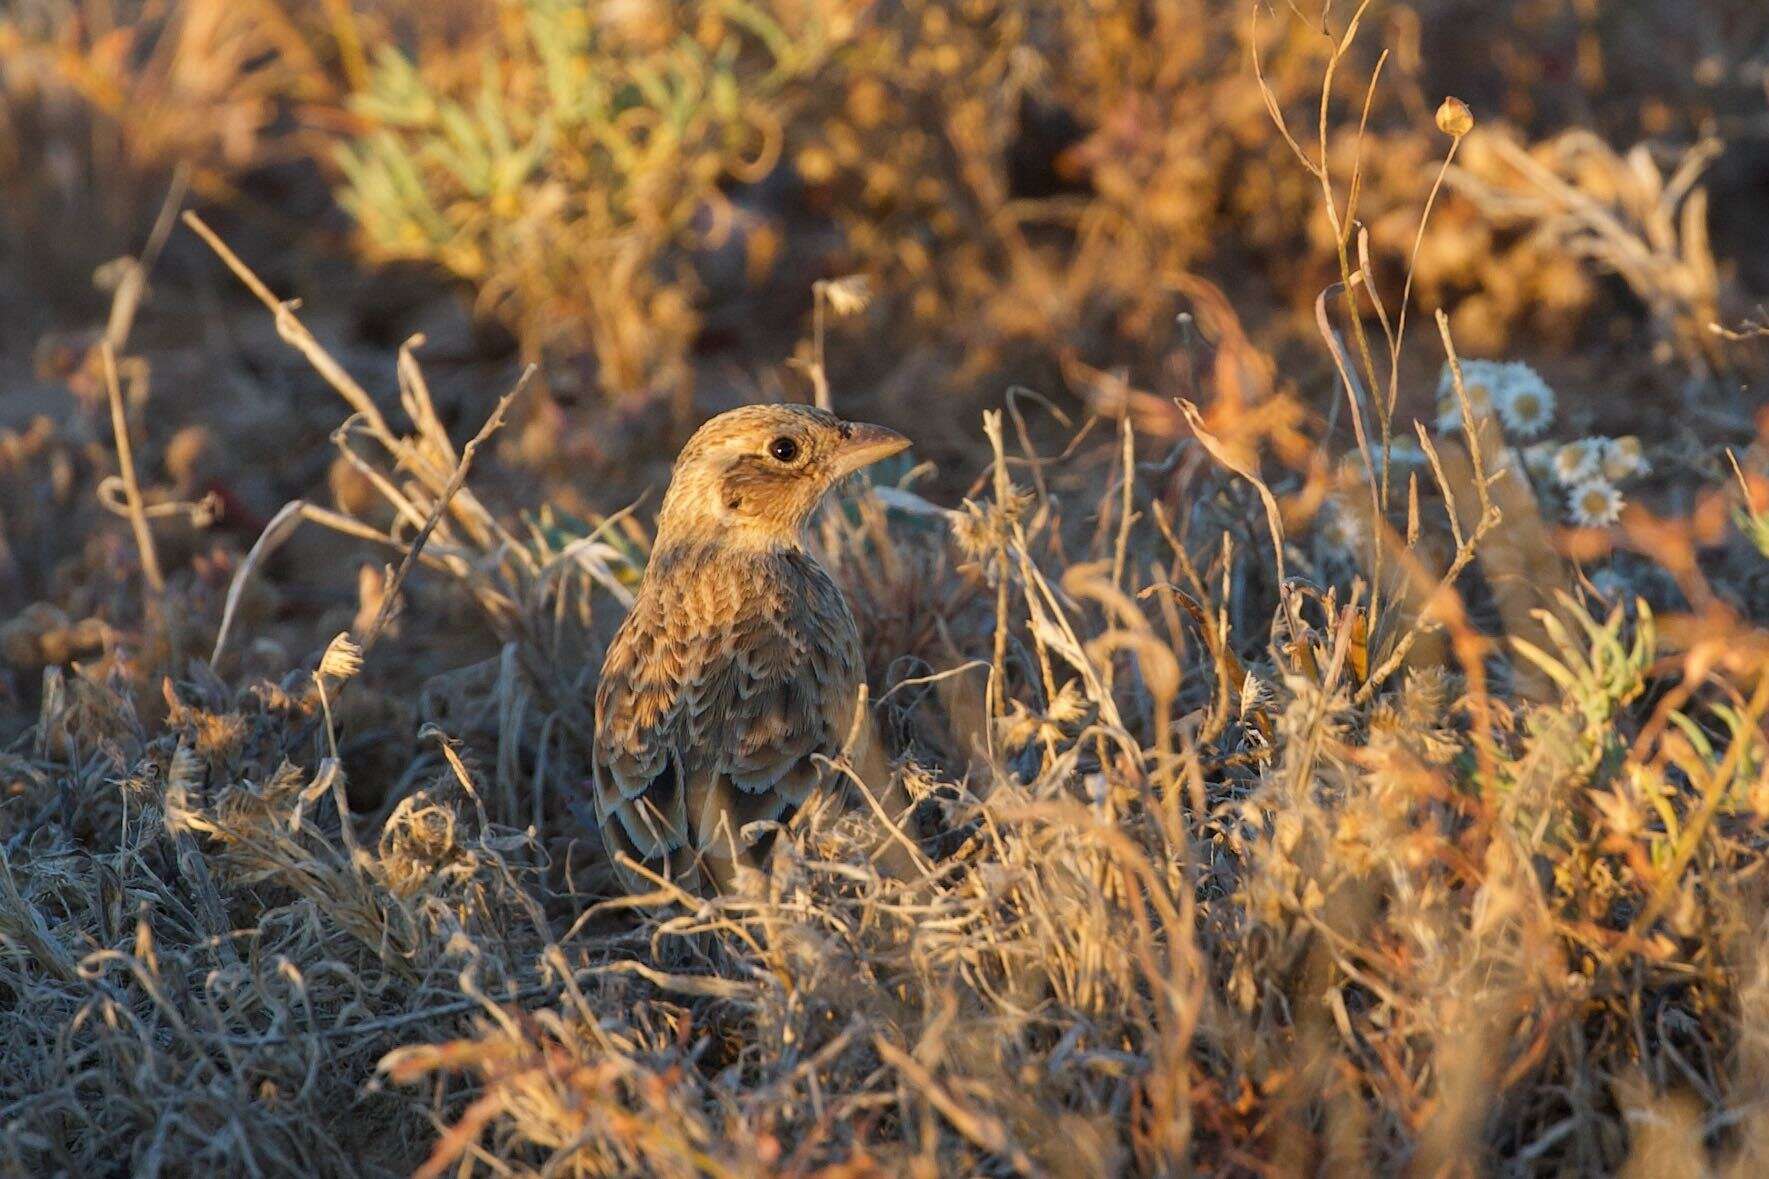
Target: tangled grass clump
x=1280, y=802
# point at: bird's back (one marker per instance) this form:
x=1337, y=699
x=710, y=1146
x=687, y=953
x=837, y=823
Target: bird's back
x=733, y=671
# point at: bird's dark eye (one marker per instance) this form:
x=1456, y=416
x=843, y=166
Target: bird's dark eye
x=783, y=449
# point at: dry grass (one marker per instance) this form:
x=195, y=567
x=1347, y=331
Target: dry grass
x=1180, y=910
x=1291, y=791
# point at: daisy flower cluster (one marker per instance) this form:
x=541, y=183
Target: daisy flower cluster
x=1513, y=390
x=1587, y=472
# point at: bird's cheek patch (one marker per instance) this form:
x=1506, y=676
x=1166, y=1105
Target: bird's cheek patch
x=755, y=492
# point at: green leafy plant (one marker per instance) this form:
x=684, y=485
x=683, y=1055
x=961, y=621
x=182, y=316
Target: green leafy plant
x=571, y=167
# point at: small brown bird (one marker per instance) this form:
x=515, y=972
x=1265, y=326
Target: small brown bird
x=740, y=661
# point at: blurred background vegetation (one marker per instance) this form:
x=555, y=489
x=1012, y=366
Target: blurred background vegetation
x=641, y=193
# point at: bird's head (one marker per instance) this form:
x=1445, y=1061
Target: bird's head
x=754, y=476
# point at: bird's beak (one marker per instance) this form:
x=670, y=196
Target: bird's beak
x=864, y=445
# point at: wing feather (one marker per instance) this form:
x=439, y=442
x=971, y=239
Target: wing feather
x=714, y=705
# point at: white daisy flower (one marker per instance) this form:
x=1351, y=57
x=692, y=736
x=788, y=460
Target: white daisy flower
x=1624, y=458
x=1526, y=403
x=1578, y=461
x=1595, y=503
x=1538, y=460
x=1480, y=380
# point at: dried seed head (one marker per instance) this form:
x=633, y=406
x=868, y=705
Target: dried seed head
x=1454, y=118
x=186, y=772
x=848, y=295
x=343, y=658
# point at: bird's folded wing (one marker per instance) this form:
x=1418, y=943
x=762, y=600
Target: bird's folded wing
x=697, y=739
x=637, y=766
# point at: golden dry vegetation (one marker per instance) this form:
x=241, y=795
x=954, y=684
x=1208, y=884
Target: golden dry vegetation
x=1323, y=625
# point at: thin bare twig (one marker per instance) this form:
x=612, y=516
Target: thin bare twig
x=144, y=537
x=390, y=597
